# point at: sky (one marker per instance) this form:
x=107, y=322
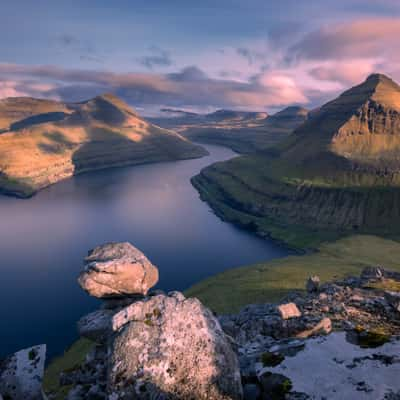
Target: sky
x=260, y=55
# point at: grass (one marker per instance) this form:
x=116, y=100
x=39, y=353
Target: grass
x=269, y=282
x=70, y=360
x=386, y=284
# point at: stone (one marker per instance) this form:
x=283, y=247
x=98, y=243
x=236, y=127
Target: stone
x=323, y=327
x=275, y=385
x=289, y=310
x=21, y=374
x=251, y=391
x=171, y=347
x=312, y=284
x=371, y=273
x=117, y=270
x=393, y=298
x=96, y=326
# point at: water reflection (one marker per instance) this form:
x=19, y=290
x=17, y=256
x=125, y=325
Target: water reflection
x=43, y=241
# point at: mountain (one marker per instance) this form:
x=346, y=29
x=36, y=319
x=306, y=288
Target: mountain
x=338, y=173
x=46, y=141
x=243, y=131
x=362, y=126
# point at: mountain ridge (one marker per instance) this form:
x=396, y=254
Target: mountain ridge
x=69, y=138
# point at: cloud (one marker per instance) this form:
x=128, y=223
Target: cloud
x=368, y=37
x=158, y=58
x=85, y=50
x=348, y=72
x=188, y=87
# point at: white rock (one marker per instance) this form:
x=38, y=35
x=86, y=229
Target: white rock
x=21, y=374
x=172, y=345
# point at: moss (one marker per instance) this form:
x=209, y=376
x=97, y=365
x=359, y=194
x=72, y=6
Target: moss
x=157, y=312
x=384, y=284
x=148, y=322
x=70, y=360
x=32, y=354
x=271, y=359
x=276, y=386
x=370, y=338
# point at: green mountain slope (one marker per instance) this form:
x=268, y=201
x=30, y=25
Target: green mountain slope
x=337, y=174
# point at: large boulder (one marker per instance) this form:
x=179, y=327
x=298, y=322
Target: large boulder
x=117, y=270
x=170, y=347
x=21, y=374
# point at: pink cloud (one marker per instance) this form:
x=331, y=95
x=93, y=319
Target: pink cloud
x=190, y=86
x=366, y=37
x=348, y=72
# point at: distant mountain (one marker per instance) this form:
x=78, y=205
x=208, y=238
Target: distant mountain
x=338, y=173
x=46, y=141
x=243, y=131
x=232, y=115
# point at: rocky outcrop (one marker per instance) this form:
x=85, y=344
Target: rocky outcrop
x=273, y=350
x=117, y=270
x=21, y=374
x=173, y=346
x=157, y=346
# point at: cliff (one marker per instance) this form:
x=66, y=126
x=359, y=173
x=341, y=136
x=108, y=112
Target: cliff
x=45, y=142
x=338, y=173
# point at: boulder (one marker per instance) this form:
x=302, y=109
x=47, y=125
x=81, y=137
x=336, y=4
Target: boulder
x=372, y=273
x=312, y=284
x=117, y=270
x=21, y=374
x=97, y=325
x=393, y=298
x=170, y=347
x=289, y=310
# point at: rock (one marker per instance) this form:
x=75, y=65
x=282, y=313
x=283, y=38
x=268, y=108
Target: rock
x=289, y=310
x=324, y=327
x=173, y=347
x=371, y=273
x=276, y=386
x=251, y=391
x=312, y=284
x=96, y=326
x=393, y=298
x=21, y=374
x=117, y=270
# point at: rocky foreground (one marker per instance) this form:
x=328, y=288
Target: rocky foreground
x=339, y=341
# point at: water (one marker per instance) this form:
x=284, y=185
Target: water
x=44, y=239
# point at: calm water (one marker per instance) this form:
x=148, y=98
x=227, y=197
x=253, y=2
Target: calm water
x=44, y=239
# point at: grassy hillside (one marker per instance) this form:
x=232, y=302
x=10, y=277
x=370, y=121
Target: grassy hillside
x=268, y=282
x=100, y=133
x=337, y=174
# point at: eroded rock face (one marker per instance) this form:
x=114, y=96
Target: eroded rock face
x=173, y=348
x=117, y=270
x=21, y=374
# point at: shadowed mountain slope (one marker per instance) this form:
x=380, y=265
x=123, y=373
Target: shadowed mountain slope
x=243, y=131
x=337, y=173
x=66, y=139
